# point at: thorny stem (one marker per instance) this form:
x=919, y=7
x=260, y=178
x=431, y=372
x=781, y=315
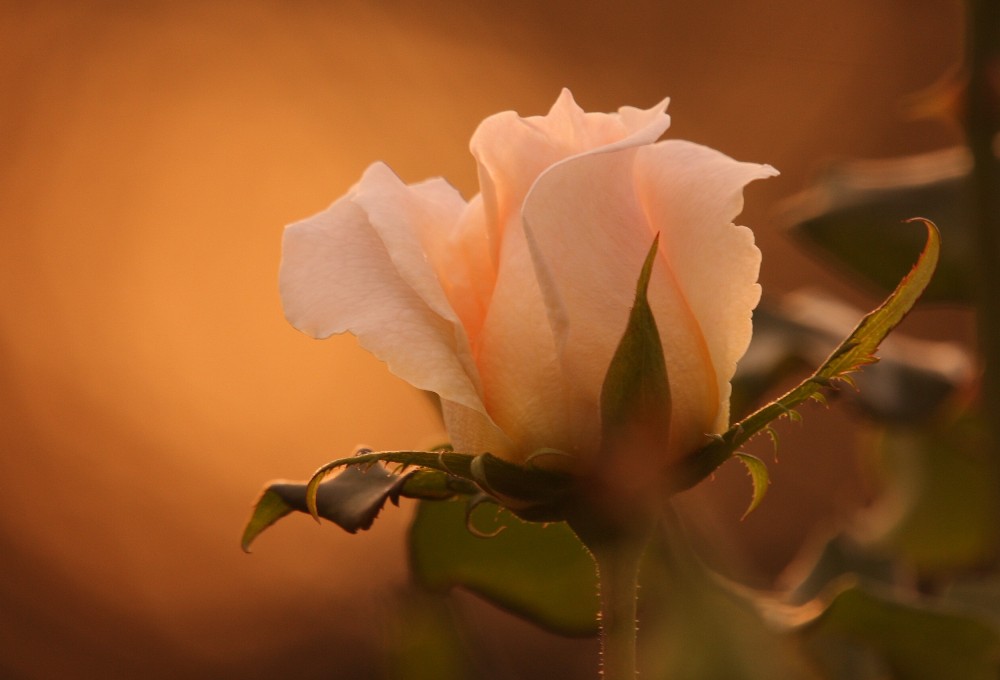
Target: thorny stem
x=617, y=542
x=982, y=127
x=618, y=576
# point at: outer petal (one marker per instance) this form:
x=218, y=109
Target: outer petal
x=412, y=222
x=692, y=194
x=338, y=275
x=589, y=235
x=524, y=386
x=513, y=151
x=590, y=221
x=520, y=372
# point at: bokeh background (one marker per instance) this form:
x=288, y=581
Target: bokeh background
x=150, y=154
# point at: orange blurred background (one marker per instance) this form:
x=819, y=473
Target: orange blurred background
x=151, y=153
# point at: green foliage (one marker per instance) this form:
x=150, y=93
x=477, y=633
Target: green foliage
x=759, y=477
x=268, y=509
x=903, y=388
x=853, y=216
x=352, y=500
x=908, y=640
x=695, y=625
x=539, y=571
x=937, y=508
x=857, y=350
x=837, y=556
x=533, y=493
x=425, y=641
x=449, y=462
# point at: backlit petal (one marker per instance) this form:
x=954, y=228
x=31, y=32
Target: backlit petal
x=337, y=276
x=691, y=194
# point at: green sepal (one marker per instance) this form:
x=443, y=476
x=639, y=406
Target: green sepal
x=434, y=485
x=531, y=493
x=635, y=395
x=856, y=351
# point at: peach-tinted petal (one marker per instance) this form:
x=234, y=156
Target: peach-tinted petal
x=337, y=276
x=520, y=372
x=524, y=386
x=413, y=222
x=512, y=151
x=466, y=268
x=691, y=194
x=590, y=220
x=437, y=242
x=589, y=235
x=471, y=431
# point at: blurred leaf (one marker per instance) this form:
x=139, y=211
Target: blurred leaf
x=819, y=565
x=778, y=349
x=635, y=394
x=425, y=642
x=352, y=500
x=979, y=593
x=914, y=641
x=937, y=507
x=857, y=350
x=854, y=213
x=540, y=572
x=696, y=626
x=912, y=380
x=759, y=476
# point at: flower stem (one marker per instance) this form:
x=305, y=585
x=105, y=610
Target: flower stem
x=618, y=576
x=982, y=128
x=617, y=541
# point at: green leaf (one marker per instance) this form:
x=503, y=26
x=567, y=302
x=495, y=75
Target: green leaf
x=535, y=494
x=635, y=395
x=268, y=509
x=352, y=500
x=425, y=639
x=759, y=476
x=457, y=464
x=540, y=572
x=937, y=509
x=913, y=641
x=857, y=350
x=852, y=216
x=695, y=625
x=820, y=564
x=908, y=385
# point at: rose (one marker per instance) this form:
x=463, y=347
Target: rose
x=510, y=306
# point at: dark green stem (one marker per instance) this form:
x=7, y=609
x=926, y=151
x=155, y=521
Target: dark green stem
x=982, y=126
x=618, y=575
x=617, y=540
